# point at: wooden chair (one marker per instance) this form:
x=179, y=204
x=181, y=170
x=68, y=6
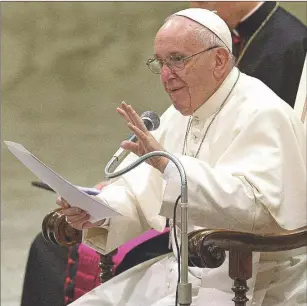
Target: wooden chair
x=57, y=231
x=207, y=250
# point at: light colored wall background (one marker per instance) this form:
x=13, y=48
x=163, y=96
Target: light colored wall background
x=65, y=68
x=298, y=9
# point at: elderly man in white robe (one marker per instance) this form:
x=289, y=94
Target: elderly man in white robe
x=244, y=153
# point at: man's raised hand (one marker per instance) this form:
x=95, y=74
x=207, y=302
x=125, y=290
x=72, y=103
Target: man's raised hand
x=146, y=142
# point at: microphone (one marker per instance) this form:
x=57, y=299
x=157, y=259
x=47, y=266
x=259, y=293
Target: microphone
x=151, y=121
x=184, y=287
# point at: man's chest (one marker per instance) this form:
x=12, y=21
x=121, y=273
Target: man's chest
x=205, y=139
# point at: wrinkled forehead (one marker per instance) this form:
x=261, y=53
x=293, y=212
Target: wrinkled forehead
x=177, y=31
x=177, y=25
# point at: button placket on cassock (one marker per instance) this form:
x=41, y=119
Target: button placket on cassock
x=195, y=135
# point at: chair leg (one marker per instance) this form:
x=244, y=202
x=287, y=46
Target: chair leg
x=106, y=265
x=240, y=288
x=240, y=270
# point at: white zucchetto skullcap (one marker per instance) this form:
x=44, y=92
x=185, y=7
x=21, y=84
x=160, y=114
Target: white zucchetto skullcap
x=211, y=21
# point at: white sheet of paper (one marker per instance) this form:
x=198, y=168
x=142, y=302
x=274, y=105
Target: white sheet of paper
x=97, y=208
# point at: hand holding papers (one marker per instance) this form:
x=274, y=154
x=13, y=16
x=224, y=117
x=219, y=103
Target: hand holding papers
x=97, y=208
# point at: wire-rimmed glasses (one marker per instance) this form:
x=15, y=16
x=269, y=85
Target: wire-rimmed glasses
x=174, y=62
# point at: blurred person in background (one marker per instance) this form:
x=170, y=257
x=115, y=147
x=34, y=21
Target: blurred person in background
x=269, y=43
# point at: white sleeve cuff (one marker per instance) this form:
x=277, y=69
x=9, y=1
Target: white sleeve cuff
x=170, y=170
x=105, y=223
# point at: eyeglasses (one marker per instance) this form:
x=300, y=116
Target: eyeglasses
x=173, y=62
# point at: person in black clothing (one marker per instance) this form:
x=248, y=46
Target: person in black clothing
x=269, y=44
x=45, y=274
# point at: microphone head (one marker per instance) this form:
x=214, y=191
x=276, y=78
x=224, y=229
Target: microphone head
x=151, y=120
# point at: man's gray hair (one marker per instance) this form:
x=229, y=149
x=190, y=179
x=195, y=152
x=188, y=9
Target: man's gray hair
x=210, y=39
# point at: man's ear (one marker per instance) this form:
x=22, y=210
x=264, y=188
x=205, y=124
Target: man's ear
x=222, y=58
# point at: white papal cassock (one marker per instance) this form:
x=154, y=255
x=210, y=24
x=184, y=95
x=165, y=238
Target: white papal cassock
x=249, y=175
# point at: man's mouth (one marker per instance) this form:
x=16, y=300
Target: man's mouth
x=172, y=90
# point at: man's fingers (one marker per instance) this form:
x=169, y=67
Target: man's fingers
x=72, y=211
x=136, y=125
x=130, y=146
x=126, y=110
x=80, y=225
x=141, y=136
x=137, y=120
x=77, y=218
x=61, y=202
x=123, y=114
x=132, y=117
x=86, y=224
x=101, y=185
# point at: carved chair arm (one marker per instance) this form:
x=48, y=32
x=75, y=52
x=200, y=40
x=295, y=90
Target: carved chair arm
x=56, y=230
x=207, y=250
x=207, y=246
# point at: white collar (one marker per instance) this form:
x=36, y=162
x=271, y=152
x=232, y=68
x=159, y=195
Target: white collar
x=215, y=101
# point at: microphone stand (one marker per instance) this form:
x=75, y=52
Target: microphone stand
x=184, y=287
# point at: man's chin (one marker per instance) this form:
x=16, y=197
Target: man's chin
x=183, y=110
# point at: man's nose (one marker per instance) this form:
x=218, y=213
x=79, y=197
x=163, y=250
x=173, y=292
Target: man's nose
x=166, y=73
